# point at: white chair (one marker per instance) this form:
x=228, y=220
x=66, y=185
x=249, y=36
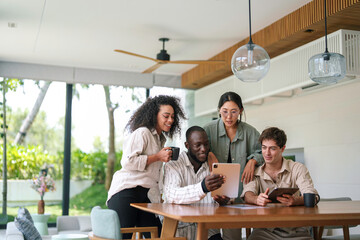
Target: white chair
x=106, y=226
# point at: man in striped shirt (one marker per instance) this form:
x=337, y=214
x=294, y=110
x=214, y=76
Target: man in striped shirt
x=188, y=180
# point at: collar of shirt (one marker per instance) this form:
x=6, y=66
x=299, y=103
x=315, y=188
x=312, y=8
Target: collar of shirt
x=161, y=137
x=262, y=174
x=204, y=166
x=239, y=132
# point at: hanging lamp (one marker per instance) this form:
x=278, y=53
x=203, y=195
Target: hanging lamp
x=250, y=63
x=327, y=68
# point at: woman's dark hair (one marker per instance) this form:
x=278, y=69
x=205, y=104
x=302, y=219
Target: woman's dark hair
x=274, y=133
x=230, y=96
x=146, y=114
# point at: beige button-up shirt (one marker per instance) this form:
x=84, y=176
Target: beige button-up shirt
x=292, y=174
x=134, y=172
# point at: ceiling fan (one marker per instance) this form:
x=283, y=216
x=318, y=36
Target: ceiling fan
x=163, y=58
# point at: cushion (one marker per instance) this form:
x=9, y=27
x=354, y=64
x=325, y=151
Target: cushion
x=27, y=228
x=85, y=223
x=12, y=232
x=105, y=223
x=24, y=213
x=67, y=223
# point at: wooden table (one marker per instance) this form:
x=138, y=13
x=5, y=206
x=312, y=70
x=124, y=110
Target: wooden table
x=274, y=215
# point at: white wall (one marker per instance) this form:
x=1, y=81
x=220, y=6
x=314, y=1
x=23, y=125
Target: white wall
x=324, y=122
x=327, y=125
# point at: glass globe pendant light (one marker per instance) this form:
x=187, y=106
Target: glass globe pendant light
x=327, y=68
x=250, y=63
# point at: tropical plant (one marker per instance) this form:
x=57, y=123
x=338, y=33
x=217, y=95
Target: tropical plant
x=24, y=162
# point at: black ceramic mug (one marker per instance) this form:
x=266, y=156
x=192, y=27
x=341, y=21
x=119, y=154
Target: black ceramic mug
x=175, y=153
x=310, y=199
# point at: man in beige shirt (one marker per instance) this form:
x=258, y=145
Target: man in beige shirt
x=278, y=172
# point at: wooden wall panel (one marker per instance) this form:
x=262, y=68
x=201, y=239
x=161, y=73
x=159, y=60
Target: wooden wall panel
x=282, y=36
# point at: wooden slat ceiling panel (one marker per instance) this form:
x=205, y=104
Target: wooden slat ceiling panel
x=282, y=36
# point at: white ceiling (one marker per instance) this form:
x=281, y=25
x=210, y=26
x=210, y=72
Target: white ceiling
x=84, y=33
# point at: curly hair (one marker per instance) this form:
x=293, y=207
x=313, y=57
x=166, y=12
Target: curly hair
x=146, y=114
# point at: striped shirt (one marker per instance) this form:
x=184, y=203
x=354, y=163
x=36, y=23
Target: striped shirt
x=183, y=186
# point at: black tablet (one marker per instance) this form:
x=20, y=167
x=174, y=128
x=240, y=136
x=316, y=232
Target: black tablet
x=280, y=191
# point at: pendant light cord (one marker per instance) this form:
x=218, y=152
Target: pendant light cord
x=326, y=48
x=250, y=40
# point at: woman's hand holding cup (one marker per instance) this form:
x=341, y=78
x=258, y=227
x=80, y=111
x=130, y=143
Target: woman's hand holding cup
x=165, y=154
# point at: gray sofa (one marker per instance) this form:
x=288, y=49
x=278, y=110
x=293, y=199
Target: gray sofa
x=64, y=225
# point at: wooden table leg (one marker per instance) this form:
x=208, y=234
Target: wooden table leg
x=202, y=232
x=316, y=233
x=169, y=227
x=346, y=232
x=248, y=232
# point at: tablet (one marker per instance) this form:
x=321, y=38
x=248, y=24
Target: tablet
x=232, y=173
x=280, y=191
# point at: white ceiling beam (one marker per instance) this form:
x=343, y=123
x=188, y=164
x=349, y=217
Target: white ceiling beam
x=87, y=76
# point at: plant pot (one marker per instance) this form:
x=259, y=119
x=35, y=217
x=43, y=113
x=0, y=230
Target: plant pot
x=41, y=207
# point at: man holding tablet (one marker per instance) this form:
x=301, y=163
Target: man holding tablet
x=188, y=180
x=278, y=172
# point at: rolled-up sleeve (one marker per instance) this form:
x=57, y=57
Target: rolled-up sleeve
x=252, y=186
x=255, y=148
x=303, y=179
x=135, y=148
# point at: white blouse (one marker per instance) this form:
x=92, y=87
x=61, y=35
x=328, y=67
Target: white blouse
x=134, y=172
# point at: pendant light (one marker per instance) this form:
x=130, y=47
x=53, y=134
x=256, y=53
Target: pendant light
x=327, y=68
x=250, y=63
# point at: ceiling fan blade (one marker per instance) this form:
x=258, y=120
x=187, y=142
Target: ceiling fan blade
x=154, y=67
x=197, y=61
x=136, y=55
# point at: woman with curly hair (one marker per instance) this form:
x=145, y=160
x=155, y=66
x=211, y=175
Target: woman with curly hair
x=142, y=159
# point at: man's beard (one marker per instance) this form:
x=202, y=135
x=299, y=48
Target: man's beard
x=193, y=157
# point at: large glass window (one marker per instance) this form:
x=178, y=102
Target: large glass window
x=41, y=148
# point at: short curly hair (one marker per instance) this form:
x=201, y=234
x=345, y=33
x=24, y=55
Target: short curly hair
x=274, y=133
x=146, y=114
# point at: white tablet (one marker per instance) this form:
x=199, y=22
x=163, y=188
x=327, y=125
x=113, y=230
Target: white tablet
x=232, y=173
